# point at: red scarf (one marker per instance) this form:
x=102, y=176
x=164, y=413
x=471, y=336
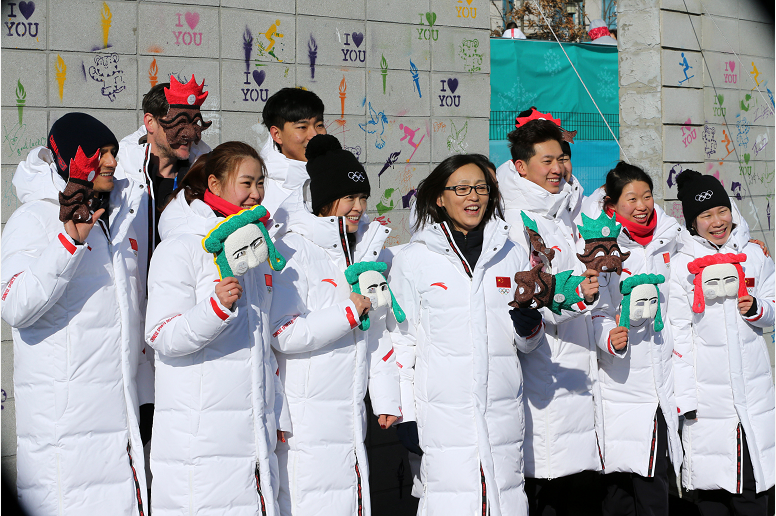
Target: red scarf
x=219, y=205
x=641, y=234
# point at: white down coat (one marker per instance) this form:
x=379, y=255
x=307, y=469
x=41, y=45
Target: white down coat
x=722, y=370
x=326, y=364
x=216, y=384
x=635, y=380
x=132, y=165
x=77, y=347
x=560, y=375
x=284, y=176
x=460, y=375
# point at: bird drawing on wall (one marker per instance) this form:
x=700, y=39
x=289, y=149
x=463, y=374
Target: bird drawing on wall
x=370, y=127
x=455, y=141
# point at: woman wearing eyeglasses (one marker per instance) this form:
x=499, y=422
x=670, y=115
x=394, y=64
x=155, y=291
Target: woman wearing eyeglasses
x=457, y=350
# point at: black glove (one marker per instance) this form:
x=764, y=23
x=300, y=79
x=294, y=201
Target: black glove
x=525, y=320
x=753, y=309
x=690, y=415
x=408, y=436
x=146, y=422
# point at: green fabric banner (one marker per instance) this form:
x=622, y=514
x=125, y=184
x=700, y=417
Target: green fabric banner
x=525, y=73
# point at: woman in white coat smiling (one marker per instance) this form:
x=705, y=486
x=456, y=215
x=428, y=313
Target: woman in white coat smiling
x=636, y=375
x=216, y=385
x=326, y=362
x=722, y=296
x=462, y=388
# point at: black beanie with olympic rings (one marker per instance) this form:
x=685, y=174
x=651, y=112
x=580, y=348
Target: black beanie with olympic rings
x=698, y=193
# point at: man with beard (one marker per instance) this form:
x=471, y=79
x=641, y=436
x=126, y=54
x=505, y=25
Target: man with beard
x=156, y=157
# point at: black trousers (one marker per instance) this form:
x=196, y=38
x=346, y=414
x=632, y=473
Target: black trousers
x=722, y=503
x=573, y=494
x=629, y=494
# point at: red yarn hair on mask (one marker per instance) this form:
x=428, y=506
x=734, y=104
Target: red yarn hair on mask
x=696, y=267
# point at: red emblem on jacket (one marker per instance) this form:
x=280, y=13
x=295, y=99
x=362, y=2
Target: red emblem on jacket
x=749, y=282
x=503, y=282
x=133, y=244
x=666, y=257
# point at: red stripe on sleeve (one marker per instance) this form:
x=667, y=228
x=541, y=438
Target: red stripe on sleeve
x=220, y=313
x=386, y=357
x=351, y=319
x=609, y=345
x=66, y=243
x=758, y=315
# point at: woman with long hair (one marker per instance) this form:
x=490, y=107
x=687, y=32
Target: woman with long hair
x=461, y=382
x=215, y=424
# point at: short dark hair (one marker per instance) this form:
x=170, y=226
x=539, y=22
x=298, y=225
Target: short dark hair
x=619, y=177
x=433, y=185
x=155, y=103
x=523, y=139
x=291, y=105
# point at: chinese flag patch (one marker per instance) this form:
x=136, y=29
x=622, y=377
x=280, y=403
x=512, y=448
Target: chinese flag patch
x=268, y=279
x=133, y=244
x=666, y=257
x=503, y=282
x=749, y=282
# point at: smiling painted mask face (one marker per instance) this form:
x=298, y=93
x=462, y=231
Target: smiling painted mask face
x=374, y=286
x=603, y=255
x=533, y=289
x=643, y=304
x=245, y=249
x=720, y=281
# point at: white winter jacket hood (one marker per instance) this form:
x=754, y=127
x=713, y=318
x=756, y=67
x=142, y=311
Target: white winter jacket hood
x=284, y=176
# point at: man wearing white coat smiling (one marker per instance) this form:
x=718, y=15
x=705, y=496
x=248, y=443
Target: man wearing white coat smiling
x=71, y=293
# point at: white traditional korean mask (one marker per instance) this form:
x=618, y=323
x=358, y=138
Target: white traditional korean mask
x=719, y=280
x=245, y=249
x=643, y=303
x=374, y=286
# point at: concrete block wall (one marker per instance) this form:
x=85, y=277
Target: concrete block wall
x=404, y=84
x=696, y=92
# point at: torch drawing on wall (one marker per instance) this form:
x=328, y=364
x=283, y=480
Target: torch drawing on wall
x=61, y=75
x=342, y=89
x=415, y=77
x=106, y=20
x=312, y=53
x=21, y=98
x=384, y=71
x=247, y=47
x=153, y=71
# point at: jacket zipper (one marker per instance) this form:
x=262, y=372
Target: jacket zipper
x=258, y=489
x=344, y=240
x=451, y=243
x=137, y=484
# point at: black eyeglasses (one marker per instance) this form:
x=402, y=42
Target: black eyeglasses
x=464, y=190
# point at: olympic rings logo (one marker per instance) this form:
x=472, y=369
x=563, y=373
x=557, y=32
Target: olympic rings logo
x=704, y=196
x=357, y=176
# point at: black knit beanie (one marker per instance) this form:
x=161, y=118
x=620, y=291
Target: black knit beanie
x=698, y=193
x=72, y=130
x=334, y=172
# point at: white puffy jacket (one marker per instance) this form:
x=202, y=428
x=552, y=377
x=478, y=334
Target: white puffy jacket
x=132, y=165
x=77, y=345
x=284, y=177
x=722, y=370
x=216, y=384
x=326, y=364
x=460, y=375
x=635, y=380
x=560, y=375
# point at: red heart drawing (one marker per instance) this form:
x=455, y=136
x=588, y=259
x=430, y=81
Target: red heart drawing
x=192, y=19
x=732, y=66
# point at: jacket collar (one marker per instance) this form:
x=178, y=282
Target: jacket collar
x=290, y=173
x=438, y=238
x=519, y=193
